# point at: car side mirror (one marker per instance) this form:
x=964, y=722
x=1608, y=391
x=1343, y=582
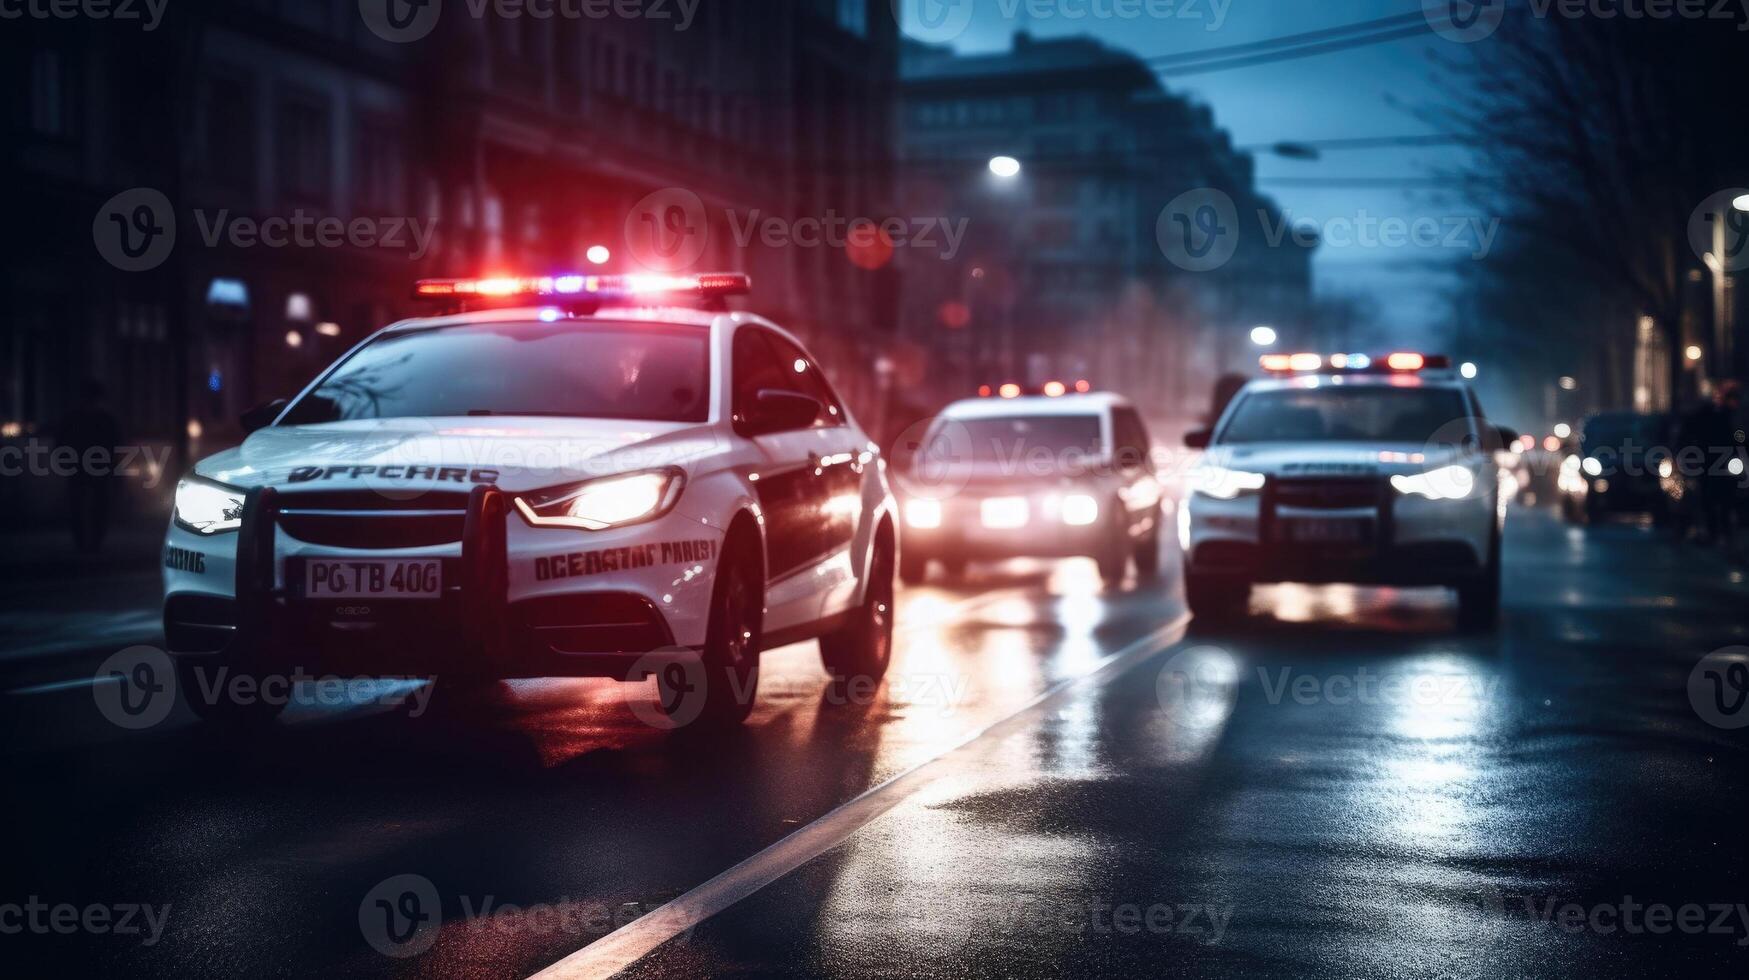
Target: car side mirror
x=262, y=416
x=1199, y=439
x=781, y=411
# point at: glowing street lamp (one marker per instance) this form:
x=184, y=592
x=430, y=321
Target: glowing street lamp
x=1005, y=167
x=1263, y=336
x=1468, y=369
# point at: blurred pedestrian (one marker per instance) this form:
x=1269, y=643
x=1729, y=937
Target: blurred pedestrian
x=1712, y=430
x=90, y=426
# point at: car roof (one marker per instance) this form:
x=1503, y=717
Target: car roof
x=1001, y=408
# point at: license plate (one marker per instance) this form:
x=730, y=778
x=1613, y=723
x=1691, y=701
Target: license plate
x=405, y=579
x=1326, y=532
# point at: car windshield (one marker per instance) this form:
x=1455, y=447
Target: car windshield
x=1013, y=441
x=1623, y=430
x=609, y=370
x=1344, y=414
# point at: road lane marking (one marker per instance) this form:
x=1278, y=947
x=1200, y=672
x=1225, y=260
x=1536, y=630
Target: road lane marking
x=625, y=946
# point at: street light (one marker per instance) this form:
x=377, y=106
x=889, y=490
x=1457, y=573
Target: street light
x=1263, y=336
x=1005, y=167
x=1468, y=369
x=1694, y=352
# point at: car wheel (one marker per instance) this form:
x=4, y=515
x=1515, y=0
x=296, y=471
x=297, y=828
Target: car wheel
x=1215, y=599
x=1148, y=555
x=913, y=567
x=1479, y=600
x=861, y=649
x=206, y=693
x=1114, y=561
x=722, y=694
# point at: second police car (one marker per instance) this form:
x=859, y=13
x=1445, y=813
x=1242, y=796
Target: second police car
x=1377, y=470
x=562, y=476
x=1059, y=474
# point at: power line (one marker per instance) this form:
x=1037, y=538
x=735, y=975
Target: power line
x=1293, y=54
x=1289, y=40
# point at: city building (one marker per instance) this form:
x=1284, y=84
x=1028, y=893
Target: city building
x=313, y=168
x=1062, y=275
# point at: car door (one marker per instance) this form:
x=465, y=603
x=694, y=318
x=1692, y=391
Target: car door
x=791, y=481
x=836, y=448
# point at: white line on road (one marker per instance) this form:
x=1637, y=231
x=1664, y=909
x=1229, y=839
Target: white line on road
x=619, y=949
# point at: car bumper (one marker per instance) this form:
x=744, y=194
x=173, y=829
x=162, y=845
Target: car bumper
x=1402, y=540
x=516, y=601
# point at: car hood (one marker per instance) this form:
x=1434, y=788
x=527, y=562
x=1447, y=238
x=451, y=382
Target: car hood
x=515, y=454
x=1300, y=459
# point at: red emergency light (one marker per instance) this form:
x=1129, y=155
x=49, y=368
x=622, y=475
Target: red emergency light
x=708, y=285
x=1401, y=362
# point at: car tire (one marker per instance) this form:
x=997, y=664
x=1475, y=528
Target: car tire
x=1114, y=561
x=1148, y=555
x=222, y=711
x=860, y=650
x=913, y=567
x=729, y=682
x=1479, y=599
x=1214, y=599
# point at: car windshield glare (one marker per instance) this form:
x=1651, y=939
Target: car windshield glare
x=651, y=372
x=1344, y=414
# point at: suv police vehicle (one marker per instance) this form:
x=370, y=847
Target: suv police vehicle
x=559, y=476
x=1055, y=475
x=1349, y=468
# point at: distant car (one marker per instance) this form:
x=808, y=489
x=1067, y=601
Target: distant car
x=571, y=476
x=1350, y=468
x=1041, y=476
x=1615, y=467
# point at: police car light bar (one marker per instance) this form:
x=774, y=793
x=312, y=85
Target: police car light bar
x=709, y=285
x=1402, y=362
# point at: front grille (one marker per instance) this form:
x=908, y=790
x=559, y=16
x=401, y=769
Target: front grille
x=1328, y=494
x=371, y=521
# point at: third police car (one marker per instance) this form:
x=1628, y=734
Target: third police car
x=560, y=476
x=1349, y=468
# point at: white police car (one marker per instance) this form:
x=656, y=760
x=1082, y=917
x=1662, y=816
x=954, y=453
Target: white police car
x=1056, y=475
x=573, y=476
x=1349, y=468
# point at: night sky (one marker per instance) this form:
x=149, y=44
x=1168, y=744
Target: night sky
x=1361, y=92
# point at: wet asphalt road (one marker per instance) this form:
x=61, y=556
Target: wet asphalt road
x=1342, y=785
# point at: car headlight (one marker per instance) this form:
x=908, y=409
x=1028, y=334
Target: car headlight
x=1222, y=483
x=596, y=505
x=1446, y=483
x=1080, y=510
x=205, y=507
x=923, y=513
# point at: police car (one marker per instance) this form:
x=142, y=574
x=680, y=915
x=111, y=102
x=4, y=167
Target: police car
x=558, y=476
x=1376, y=470
x=1058, y=474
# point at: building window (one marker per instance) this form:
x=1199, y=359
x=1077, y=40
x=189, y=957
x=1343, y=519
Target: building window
x=853, y=16
x=230, y=133
x=51, y=96
x=381, y=167
x=304, y=150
